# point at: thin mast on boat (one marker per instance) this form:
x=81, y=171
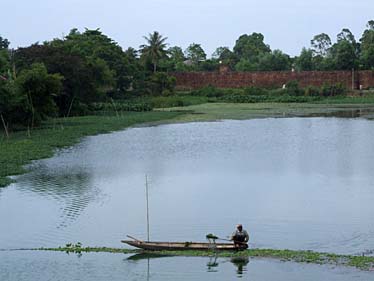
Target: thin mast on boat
x=146, y=194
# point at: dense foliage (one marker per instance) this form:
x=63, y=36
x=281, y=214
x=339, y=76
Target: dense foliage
x=72, y=75
x=290, y=93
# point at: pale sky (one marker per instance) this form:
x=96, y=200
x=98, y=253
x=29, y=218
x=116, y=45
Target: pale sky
x=287, y=25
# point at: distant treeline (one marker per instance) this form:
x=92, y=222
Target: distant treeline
x=64, y=76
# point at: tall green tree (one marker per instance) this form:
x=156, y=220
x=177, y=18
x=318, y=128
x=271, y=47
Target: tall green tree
x=195, y=53
x=37, y=88
x=79, y=84
x=343, y=53
x=367, y=47
x=175, y=59
x=304, y=62
x=11, y=109
x=176, y=54
x=94, y=46
x=321, y=44
x=246, y=65
x=274, y=61
x=346, y=35
x=225, y=56
x=221, y=52
x=4, y=57
x=155, y=48
x=249, y=47
x=4, y=43
x=4, y=63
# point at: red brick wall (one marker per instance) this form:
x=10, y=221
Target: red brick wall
x=195, y=80
x=366, y=79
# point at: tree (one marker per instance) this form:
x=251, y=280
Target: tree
x=195, y=53
x=161, y=84
x=304, y=62
x=4, y=57
x=321, y=44
x=346, y=35
x=274, y=61
x=155, y=49
x=176, y=54
x=174, y=60
x=343, y=54
x=92, y=45
x=4, y=63
x=370, y=25
x=10, y=105
x=221, y=52
x=80, y=74
x=226, y=56
x=4, y=43
x=209, y=65
x=249, y=47
x=246, y=65
x=37, y=88
x=367, y=47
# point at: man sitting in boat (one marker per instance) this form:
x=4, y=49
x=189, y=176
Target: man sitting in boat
x=240, y=237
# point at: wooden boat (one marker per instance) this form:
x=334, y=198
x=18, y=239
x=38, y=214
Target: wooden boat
x=182, y=246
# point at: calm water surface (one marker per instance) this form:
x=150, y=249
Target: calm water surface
x=97, y=267
x=297, y=183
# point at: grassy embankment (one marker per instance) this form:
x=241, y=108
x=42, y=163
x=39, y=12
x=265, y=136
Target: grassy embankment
x=242, y=111
x=22, y=147
x=361, y=262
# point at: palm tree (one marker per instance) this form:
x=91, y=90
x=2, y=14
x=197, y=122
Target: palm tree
x=155, y=48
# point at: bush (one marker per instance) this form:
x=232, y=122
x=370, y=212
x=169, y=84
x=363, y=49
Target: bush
x=255, y=91
x=208, y=91
x=160, y=82
x=333, y=90
x=293, y=89
x=312, y=91
x=267, y=98
x=119, y=106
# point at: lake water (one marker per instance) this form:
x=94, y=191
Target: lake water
x=44, y=266
x=296, y=183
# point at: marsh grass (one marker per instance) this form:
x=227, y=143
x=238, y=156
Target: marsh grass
x=243, y=111
x=360, y=262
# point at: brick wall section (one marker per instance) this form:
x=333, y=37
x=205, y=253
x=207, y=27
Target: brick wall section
x=196, y=80
x=366, y=79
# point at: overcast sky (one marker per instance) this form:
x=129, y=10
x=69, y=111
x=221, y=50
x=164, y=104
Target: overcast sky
x=288, y=25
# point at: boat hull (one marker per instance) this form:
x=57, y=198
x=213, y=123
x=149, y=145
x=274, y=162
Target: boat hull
x=183, y=246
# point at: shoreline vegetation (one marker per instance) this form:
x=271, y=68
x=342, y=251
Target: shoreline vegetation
x=19, y=148
x=360, y=262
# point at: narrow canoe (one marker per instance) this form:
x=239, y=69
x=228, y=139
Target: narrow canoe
x=180, y=246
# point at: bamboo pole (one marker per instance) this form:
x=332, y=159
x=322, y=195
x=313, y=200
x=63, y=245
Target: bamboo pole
x=146, y=192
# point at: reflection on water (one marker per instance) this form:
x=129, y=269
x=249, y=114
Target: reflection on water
x=212, y=264
x=240, y=263
x=70, y=189
x=348, y=113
